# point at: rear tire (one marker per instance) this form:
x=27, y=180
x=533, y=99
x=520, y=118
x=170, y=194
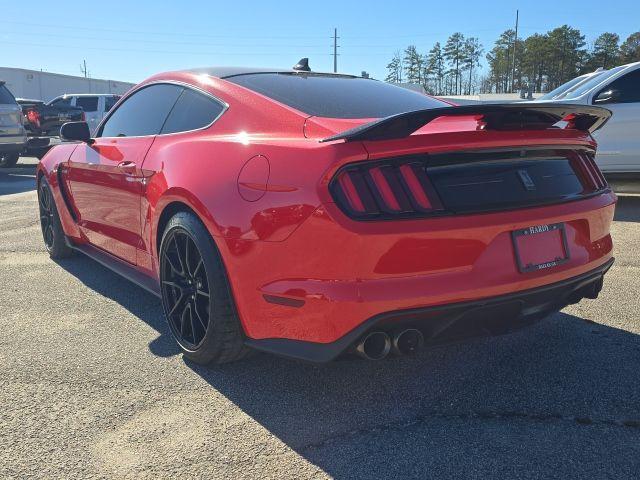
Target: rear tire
x=8, y=160
x=55, y=240
x=196, y=295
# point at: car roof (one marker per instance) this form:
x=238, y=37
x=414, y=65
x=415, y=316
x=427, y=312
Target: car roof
x=28, y=100
x=226, y=72
x=66, y=95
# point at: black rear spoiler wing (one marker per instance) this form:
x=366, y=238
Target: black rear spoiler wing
x=504, y=116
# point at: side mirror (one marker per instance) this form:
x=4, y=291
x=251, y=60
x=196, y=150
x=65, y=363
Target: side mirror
x=76, y=131
x=607, y=96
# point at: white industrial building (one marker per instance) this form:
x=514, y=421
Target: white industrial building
x=46, y=86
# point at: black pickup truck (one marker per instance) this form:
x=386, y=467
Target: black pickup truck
x=41, y=119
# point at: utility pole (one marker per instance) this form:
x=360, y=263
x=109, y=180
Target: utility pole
x=515, y=43
x=335, y=50
x=83, y=68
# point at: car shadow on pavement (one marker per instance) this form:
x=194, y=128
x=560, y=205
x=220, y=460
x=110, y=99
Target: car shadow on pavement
x=560, y=399
x=21, y=178
x=136, y=300
x=628, y=209
x=500, y=407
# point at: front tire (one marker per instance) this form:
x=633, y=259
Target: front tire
x=52, y=232
x=9, y=160
x=196, y=295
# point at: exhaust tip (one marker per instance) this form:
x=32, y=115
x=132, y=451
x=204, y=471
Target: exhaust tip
x=407, y=342
x=374, y=346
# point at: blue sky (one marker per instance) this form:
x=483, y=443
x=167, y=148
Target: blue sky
x=131, y=40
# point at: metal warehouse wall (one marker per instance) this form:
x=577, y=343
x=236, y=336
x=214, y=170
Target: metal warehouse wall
x=46, y=86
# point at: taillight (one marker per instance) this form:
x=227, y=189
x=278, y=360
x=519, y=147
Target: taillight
x=385, y=190
x=34, y=117
x=589, y=173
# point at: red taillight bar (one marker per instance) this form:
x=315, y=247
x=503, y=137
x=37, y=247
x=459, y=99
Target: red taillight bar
x=384, y=190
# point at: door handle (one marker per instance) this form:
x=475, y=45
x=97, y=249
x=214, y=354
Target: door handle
x=127, y=167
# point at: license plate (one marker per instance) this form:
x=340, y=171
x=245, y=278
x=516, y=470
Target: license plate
x=540, y=246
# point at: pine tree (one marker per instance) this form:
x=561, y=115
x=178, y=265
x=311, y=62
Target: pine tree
x=630, y=49
x=606, y=52
x=412, y=64
x=472, y=51
x=454, y=54
x=436, y=68
x=394, y=69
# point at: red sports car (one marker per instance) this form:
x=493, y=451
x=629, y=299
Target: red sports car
x=310, y=214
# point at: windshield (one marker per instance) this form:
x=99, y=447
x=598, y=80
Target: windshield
x=336, y=96
x=581, y=88
x=564, y=87
x=5, y=96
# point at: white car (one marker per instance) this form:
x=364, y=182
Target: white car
x=95, y=105
x=562, y=89
x=617, y=89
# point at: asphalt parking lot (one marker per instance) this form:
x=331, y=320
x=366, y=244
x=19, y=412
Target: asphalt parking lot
x=91, y=385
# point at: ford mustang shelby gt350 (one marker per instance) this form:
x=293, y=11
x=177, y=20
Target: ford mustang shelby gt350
x=312, y=215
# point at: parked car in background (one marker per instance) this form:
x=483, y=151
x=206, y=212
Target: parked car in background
x=41, y=119
x=244, y=198
x=618, y=90
x=12, y=133
x=562, y=89
x=94, y=105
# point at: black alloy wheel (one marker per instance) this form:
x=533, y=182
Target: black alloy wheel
x=45, y=202
x=185, y=289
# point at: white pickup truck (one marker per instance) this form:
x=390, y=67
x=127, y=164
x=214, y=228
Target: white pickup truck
x=95, y=105
x=618, y=90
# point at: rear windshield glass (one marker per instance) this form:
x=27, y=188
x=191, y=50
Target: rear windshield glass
x=5, y=95
x=336, y=96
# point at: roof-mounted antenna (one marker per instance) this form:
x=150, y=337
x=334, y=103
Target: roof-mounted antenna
x=302, y=65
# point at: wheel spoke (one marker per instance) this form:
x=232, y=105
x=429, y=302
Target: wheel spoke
x=44, y=199
x=195, y=309
x=178, y=305
x=173, y=267
x=172, y=284
x=187, y=257
x=193, y=328
x=197, y=269
x=182, y=270
x=203, y=293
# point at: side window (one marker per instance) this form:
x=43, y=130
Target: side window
x=109, y=102
x=628, y=86
x=193, y=110
x=142, y=113
x=62, y=101
x=88, y=104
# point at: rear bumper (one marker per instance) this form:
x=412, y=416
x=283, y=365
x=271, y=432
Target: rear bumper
x=456, y=321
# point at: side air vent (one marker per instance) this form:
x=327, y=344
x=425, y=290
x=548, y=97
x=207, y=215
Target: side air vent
x=429, y=185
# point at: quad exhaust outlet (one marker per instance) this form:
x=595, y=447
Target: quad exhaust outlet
x=374, y=346
x=406, y=342
x=377, y=345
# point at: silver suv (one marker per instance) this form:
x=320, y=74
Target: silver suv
x=12, y=134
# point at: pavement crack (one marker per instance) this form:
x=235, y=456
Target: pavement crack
x=424, y=419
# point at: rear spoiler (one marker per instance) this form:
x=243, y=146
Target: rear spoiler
x=506, y=116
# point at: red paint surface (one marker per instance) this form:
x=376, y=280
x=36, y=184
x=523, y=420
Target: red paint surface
x=290, y=239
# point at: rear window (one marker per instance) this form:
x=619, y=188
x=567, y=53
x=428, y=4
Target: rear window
x=336, y=96
x=88, y=104
x=5, y=95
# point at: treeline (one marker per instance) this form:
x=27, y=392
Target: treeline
x=540, y=62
